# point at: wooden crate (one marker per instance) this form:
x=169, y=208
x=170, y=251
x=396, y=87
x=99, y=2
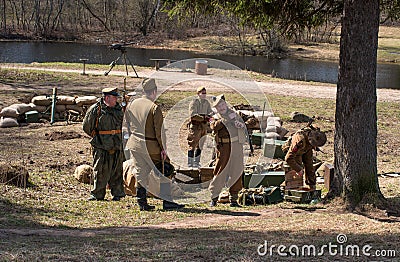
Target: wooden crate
x=187, y=176
x=293, y=180
x=206, y=174
x=326, y=171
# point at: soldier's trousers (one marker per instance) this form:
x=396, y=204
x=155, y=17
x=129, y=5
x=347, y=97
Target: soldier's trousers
x=228, y=170
x=196, y=132
x=144, y=168
x=307, y=162
x=107, y=169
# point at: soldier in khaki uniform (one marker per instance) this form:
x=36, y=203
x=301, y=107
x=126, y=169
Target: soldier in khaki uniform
x=200, y=112
x=300, y=152
x=146, y=143
x=229, y=130
x=103, y=122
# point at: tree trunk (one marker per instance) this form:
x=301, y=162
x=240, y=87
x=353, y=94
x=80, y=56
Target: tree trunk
x=356, y=117
x=4, y=17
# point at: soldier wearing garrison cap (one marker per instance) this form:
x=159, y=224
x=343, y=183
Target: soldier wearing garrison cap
x=103, y=123
x=229, y=132
x=300, y=155
x=200, y=113
x=146, y=147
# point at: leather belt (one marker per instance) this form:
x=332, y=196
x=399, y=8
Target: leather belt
x=110, y=132
x=228, y=140
x=146, y=137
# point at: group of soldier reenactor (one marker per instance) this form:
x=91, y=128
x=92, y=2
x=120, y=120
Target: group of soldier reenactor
x=146, y=145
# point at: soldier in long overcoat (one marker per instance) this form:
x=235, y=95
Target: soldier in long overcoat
x=146, y=146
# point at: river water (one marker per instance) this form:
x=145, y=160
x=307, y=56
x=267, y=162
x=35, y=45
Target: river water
x=388, y=75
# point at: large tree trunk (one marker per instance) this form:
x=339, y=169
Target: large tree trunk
x=356, y=119
x=4, y=18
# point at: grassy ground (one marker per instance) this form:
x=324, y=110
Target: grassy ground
x=50, y=219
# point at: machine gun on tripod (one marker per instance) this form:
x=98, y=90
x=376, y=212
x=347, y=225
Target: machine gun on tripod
x=125, y=58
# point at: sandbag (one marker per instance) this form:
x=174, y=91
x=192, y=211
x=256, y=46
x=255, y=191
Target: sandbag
x=83, y=173
x=60, y=108
x=41, y=100
x=40, y=109
x=129, y=178
x=274, y=121
x=85, y=100
x=8, y=122
x=271, y=129
x=65, y=100
x=9, y=112
x=272, y=135
x=22, y=108
x=262, y=116
x=74, y=108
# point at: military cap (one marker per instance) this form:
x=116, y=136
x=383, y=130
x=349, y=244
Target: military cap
x=217, y=99
x=149, y=84
x=113, y=91
x=317, y=138
x=200, y=88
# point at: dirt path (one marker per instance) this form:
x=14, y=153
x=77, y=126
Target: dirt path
x=282, y=87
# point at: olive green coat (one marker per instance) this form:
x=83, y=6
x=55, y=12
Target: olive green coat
x=108, y=119
x=108, y=156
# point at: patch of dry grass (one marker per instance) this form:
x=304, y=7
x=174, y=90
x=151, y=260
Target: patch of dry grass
x=50, y=219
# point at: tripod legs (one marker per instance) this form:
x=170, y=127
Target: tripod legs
x=112, y=64
x=131, y=66
x=125, y=58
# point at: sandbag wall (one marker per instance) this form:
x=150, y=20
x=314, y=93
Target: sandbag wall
x=274, y=129
x=14, y=114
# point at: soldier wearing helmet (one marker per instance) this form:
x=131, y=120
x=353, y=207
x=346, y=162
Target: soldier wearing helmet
x=300, y=152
